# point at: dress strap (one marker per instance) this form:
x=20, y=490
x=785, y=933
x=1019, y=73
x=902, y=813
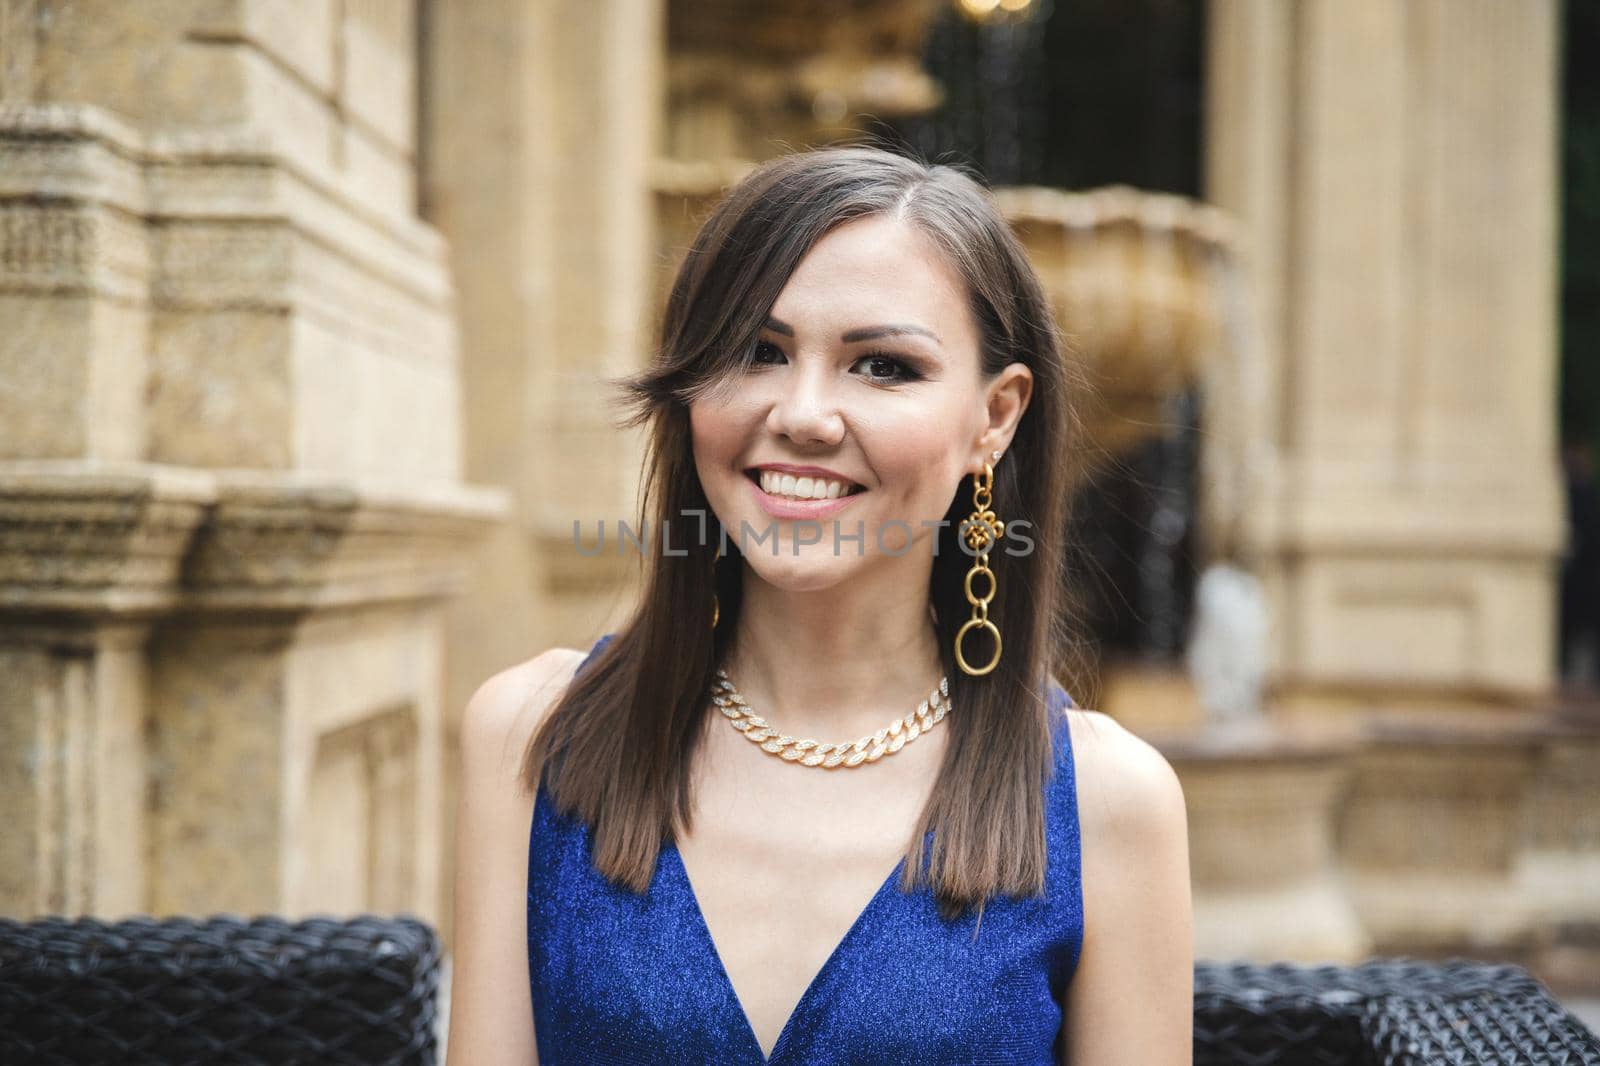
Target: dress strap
x=599, y=645
x=1059, y=696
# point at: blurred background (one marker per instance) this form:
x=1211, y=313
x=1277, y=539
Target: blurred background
x=305, y=307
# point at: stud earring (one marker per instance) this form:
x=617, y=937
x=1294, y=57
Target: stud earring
x=980, y=531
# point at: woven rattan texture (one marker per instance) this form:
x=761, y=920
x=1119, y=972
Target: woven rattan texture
x=1385, y=1012
x=184, y=992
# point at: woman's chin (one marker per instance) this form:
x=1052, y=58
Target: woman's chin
x=814, y=569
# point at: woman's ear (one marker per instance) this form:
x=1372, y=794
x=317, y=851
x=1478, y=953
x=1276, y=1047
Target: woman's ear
x=1005, y=400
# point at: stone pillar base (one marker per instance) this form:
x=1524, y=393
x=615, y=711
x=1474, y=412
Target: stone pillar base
x=223, y=690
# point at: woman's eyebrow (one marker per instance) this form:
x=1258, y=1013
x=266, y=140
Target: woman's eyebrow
x=866, y=333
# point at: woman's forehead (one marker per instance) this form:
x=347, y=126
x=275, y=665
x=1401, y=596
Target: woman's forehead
x=875, y=267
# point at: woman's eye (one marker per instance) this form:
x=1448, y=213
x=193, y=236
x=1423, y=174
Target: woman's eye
x=880, y=366
x=884, y=367
x=765, y=347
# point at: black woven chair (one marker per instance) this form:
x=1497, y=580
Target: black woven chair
x=254, y=992
x=363, y=991
x=1384, y=1012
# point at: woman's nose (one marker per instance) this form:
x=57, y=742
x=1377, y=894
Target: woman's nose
x=806, y=409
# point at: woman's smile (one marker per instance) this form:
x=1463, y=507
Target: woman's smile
x=786, y=496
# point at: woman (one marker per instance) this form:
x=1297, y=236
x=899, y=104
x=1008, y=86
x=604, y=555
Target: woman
x=860, y=394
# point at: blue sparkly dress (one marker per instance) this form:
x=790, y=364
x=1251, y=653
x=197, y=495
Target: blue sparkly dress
x=619, y=977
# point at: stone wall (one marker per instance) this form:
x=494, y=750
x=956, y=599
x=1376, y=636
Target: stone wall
x=1392, y=166
x=231, y=506
x=280, y=282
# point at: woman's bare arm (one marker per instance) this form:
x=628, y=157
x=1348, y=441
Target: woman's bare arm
x=1132, y=997
x=491, y=1012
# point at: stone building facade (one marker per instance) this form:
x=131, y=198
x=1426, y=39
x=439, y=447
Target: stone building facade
x=304, y=314
x=232, y=505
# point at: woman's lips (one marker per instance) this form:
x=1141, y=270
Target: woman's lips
x=780, y=507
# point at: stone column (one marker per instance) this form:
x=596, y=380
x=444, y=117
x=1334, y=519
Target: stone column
x=1393, y=168
x=72, y=743
x=231, y=498
x=85, y=563
x=539, y=134
x=539, y=127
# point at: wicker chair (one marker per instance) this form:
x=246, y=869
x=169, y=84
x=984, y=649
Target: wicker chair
x=254, y=992
x=363, y=991
x=1385, y=1012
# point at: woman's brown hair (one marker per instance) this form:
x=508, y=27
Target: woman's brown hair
x=616, y=749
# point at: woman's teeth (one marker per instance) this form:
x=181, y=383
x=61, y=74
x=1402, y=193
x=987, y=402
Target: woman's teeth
x=803, y=488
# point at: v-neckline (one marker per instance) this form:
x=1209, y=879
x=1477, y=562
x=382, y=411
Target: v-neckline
x=804, y=1002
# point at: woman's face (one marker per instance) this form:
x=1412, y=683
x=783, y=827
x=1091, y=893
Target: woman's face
x=868, y=369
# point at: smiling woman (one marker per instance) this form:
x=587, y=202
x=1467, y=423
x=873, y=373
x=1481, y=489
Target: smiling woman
x=780, y=815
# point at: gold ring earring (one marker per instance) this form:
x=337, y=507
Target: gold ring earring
x=981, y=531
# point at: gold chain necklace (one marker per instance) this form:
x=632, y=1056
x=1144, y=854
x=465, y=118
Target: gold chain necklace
x=870, y=748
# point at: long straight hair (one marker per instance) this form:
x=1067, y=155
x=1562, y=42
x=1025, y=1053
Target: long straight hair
x=615, y=750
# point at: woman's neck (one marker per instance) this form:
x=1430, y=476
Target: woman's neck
x=836, y=663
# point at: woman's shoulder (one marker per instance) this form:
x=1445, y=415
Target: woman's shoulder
x=1139, y=928
x=491, y=1016
x=1127, y=790
x=505, y=711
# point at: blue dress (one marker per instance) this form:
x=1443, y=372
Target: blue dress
x=619, y=977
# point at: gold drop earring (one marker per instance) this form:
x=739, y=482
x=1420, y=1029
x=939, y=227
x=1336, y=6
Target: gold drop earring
x=715, y=609
x=981, y=531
